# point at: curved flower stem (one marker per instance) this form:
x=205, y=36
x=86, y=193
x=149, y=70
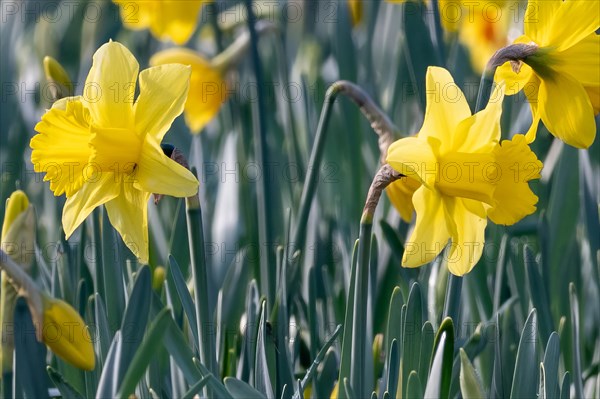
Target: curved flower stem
x=380, y=123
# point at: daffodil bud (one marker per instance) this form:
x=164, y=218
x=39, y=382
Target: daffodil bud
x=158, y=278
x=58, y=79
x=65, y=333
x=18, y=231
x=378, y=354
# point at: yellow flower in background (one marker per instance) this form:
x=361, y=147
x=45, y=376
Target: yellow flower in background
x=66, y=334
x=356, y=11
x=208, y=90
x=166, y=19
x=400, y=193
x=484, y=30
x=104, y=148
x=561, y=78
x=467, y=175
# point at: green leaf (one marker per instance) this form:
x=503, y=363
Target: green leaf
x=413, y=387
x=470, y=384
x=393, y=369
x=262, y=378
x=107, y=386
x=183, y=293
x=241, y=390
x=551, y=361
x=144, y=354
x=427, y=337
x=411, y=334
x=134, y=322
x=526, y=366
x=542, y=385
x=196, y=388
x=577, y=377
x=565, y=386
x=66, y=390
x=539, y=294
x=438, y=384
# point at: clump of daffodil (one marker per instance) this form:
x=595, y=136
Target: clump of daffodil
x=65, y=333
x=208, y=89
x=18, y=231
x=104, y=148
x=166, y=19
x=557, y=64
x=466, y=175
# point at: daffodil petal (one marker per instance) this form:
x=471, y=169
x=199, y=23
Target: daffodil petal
x=513, y=198
x=163, y=92
x=570, y=120
x=467, y=239
x=99, y=188
x=400, y=193
x=128, y=213
x=481, y=131
x=515, y=81
x=61, y=149
x=430, y=234
x=581, y=61
x=594, y=94
x=539, y=18
x=177, y=20
x=413, y=157
x=446, y=106
x=563, y=34
x=137, y=15
x=208, y=90
x=110, y=86
x=159, y=174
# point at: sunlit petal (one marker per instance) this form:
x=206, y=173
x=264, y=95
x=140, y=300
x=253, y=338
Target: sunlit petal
x=163, y=92
x=467, y=239
x=573, y=21
x=414, y=157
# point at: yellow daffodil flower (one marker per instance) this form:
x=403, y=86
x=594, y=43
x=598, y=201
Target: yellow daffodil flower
x=66, y=334
x=483, y=30
x=208, y=90
x=400, y=193
x=561, y=78
x=167, y=19
x=104, y=147
x=467, y=175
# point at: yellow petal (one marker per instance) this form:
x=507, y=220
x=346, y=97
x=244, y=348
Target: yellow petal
x=176, y=20
x=566, y=110
x=159, y=174
x=539, y=18
x=446, y=107
x=110, y=86
x=61, y=149
x=414, y=157
x=356, y=11
x=581, y=61
x=573, y=21
x=66, y=334
x=128, y=213
x=594, y=94
x=468, y=235
x=468, y=175
x=99, y=188
x=515, y=81
x=430, y=234
x=513, y=198
x=480, y=132
x=208, y=90
x=400, y=193
x=163, y=92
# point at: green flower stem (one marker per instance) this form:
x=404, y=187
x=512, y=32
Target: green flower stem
x=206, y=335
x=379, y=122
x=437, y=32
x=267, y=264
